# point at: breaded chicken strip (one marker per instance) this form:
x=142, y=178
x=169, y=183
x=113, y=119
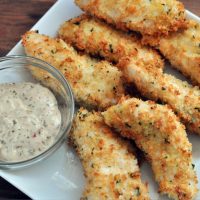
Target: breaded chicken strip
x=154, y=84
x=183, y=51
x=149, y=17
x=96, y=37
x=157, y=131
x=95, y=84
x=150, y=81
x=110, y=167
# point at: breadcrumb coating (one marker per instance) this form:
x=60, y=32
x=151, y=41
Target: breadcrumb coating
x=157, y=131
x=183, y=98
x=149, y=17
x=109, y=163
x=150, y=81
x=98, y=38
x=183, y=51
x=95, y=84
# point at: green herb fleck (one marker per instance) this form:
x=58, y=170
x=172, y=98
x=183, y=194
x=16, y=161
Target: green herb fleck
x=53, y=51
x=137, y=191
x=111, y=48
x=118, y=181
x=167, y=141
x=179, y=14
x=193, y=166
x=127, y=125
x=92, y=151
x=77, y=23
x=169, y=11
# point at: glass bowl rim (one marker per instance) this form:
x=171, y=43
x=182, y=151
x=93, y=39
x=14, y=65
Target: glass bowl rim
x=58, y=75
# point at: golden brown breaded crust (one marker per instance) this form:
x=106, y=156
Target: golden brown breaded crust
x=183, y=51
x=183, y=98
x=149, y=17
x=158, y=132
x=95, y=84
x=98, y=38
x=109, y=163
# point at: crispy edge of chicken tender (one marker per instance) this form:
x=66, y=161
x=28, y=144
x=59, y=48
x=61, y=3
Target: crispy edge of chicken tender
x=157, y=131
x=182, y=97
x=109, y=163
x=182, y=49
x=158, y=17
x=95, y=84
x=98, y=38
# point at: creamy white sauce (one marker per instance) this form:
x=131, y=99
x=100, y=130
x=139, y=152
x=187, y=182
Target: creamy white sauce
x=29, y=120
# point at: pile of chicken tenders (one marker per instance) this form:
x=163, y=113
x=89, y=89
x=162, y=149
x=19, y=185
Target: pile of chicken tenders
x=117, y=43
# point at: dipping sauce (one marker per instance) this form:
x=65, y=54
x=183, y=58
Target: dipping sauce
x=29, y=120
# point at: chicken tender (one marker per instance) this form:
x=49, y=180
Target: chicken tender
x=150, y=81
x=157, y=131
x=109, y=163
x=95, y=84
x=157, y=17
x=181, y=96
x=97, y=38
x=183, y=51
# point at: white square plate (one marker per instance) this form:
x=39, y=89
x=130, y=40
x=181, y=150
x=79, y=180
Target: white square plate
x=61, y=176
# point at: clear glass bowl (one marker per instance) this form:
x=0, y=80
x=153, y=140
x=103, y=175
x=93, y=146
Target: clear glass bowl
x=15, y=69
